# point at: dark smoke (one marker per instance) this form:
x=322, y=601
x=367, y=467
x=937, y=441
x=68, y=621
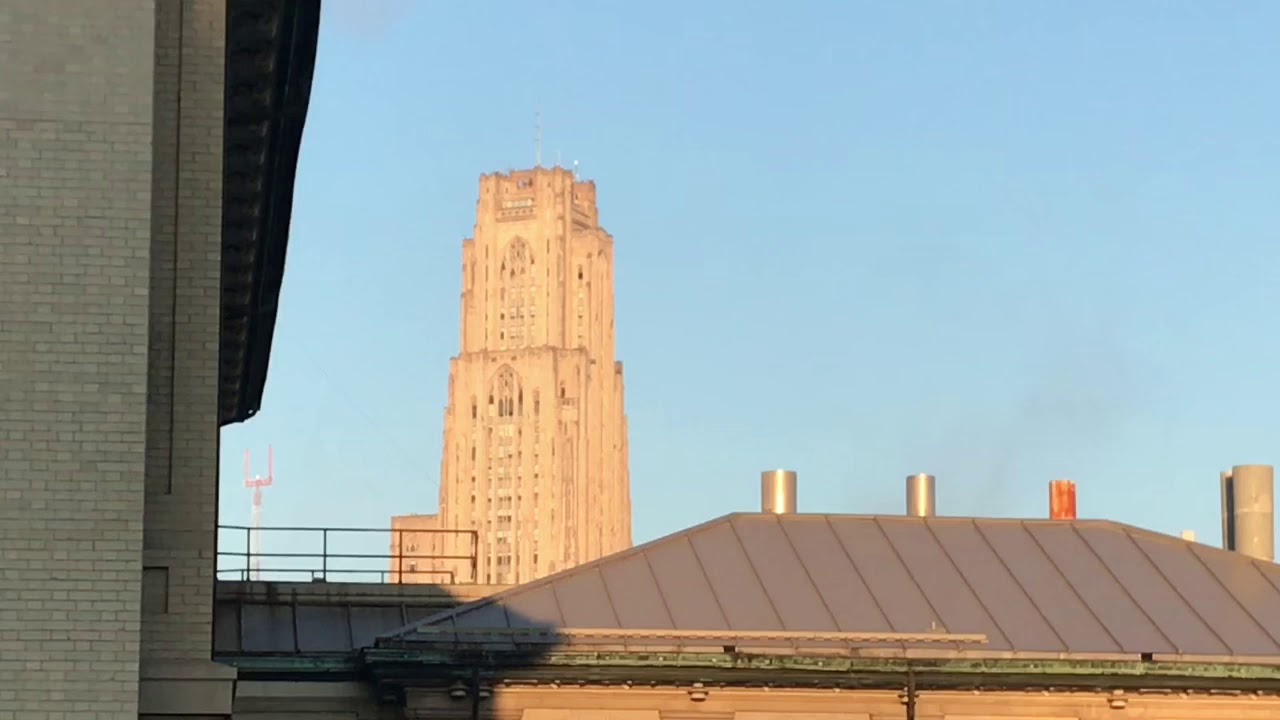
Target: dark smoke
x=1083, y=396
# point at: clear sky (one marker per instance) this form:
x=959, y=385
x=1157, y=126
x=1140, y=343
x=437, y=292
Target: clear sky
x=1000, y=242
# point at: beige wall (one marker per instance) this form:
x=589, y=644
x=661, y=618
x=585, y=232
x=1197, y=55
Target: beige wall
x=109, y=312
x=182, y=423
x=75, y=208
x=642, y=703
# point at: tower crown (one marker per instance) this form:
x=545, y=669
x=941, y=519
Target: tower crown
x=524, y=194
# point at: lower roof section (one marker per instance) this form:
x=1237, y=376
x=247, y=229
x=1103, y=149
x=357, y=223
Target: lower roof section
x=322, y=618
x=840, y=601
x=271, y=51
x=811, y=584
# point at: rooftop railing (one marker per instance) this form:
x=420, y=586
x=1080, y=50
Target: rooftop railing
x=323, y=554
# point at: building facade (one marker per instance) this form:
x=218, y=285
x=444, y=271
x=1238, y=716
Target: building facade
x=129, y=291
x=534, y=459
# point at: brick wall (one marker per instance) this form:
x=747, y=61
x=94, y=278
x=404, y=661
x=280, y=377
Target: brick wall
x=182, y=427
x=75, y=206
x=110, y=261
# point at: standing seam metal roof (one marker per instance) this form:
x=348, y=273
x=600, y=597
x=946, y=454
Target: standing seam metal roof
x=1083, y=587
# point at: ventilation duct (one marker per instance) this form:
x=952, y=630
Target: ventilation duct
x=1248, y=510
x=778, y=491
x=1062, y=500
x=920, y=495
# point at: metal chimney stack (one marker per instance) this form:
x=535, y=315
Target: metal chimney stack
x=1248, y=509
x=1228, y=511
x=778, y=491
x=920, y=495
x=1062, y=500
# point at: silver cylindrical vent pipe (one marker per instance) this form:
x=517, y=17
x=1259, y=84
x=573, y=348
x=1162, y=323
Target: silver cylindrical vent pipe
x=920, y=495
x=778, y=491
x=1248, y=510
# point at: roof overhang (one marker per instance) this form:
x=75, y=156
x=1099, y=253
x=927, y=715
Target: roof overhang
x=859, y=660
x=271, y=51
x=401, y=669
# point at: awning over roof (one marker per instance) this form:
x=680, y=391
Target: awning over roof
x=271, y=49
x=1062, y=589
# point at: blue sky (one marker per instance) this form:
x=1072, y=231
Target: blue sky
x=1001, y=242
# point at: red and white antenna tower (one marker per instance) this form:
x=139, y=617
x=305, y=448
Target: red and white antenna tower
x=257, y=482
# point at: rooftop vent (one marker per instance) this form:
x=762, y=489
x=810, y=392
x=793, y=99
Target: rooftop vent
x=1062, y=500
x=920, y=495
x=778, y=491
x=1247, y=510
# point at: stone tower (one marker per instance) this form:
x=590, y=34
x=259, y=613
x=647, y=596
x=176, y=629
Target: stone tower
x=535, y=438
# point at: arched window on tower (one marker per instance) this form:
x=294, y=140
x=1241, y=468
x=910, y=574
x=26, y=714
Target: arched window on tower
x=505, y=389
x=504, y=469
x=515, y=319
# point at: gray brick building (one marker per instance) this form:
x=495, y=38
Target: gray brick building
x=147, y=152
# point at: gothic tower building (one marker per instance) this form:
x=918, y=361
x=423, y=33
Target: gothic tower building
x=535, y=438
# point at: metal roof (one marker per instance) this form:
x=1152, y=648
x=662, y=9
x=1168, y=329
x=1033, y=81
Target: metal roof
x=1031, y=587
x=295, y=618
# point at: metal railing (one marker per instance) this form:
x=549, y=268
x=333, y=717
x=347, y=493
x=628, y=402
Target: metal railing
x=321, y=554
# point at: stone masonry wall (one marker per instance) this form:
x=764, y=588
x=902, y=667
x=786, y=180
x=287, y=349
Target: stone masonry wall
x=75, y=205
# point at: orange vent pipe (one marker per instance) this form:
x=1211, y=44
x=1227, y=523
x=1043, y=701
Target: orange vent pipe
x=1062, y=500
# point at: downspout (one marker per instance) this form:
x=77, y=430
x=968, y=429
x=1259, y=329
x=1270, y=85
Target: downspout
x=911, y=694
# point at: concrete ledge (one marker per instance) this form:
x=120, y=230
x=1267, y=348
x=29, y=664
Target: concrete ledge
x=185, y=687
x=283, y=700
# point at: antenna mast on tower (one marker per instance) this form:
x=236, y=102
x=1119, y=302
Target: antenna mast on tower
x=537, y=138
x=255, y=517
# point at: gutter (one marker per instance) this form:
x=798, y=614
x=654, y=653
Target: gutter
x=882, y=673
x=425, y=667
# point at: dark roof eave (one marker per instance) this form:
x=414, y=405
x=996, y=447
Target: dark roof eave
x=394, y=667
x=419, y=666
x=271, y=50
